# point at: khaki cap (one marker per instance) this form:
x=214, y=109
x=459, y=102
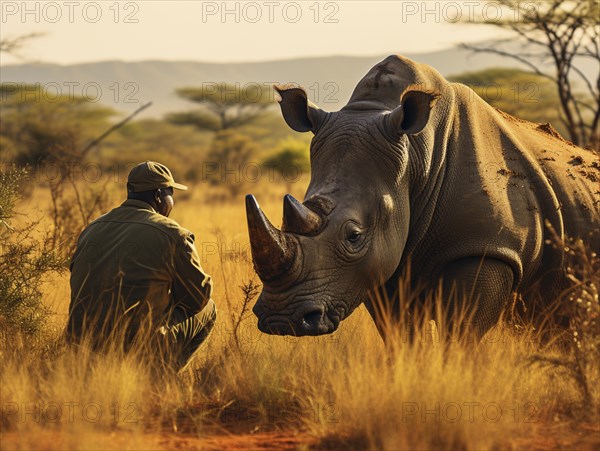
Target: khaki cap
x=151, y=175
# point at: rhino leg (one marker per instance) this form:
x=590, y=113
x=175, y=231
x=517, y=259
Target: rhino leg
x=477, y=291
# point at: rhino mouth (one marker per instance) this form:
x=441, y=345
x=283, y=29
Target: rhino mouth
x=309, y=318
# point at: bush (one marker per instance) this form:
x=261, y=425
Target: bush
x=229, y=161
x=579, y=303
x=290, y=160
x=25, y=261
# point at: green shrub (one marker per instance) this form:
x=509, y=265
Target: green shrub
x=25, y=262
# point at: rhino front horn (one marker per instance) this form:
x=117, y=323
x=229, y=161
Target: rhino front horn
x=273, y=252
x=299, y=219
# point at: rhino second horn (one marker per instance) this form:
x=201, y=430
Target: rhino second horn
x=299, y=219
x=273, y=252
x=393, y=120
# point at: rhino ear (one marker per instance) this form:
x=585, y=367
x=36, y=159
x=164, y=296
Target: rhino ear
x=412, y=115
x=299, y=113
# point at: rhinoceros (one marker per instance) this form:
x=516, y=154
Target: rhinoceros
x=417, y=169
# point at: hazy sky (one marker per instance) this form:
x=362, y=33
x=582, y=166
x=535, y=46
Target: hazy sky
x=83, y=31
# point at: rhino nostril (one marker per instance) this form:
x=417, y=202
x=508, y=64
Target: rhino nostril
x=312, y=319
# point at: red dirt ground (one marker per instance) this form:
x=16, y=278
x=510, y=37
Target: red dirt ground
x=548, y=437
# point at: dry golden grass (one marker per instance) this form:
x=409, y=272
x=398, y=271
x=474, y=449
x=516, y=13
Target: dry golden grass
x=342, y=391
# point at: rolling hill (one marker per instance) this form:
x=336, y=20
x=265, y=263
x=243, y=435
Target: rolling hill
x=126, y=85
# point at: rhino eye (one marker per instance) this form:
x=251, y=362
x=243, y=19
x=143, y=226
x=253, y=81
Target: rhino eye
x=353, y=235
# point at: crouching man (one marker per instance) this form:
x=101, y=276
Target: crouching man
x=136, y=278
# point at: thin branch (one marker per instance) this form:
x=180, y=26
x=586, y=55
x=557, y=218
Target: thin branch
x=533, y=67
x=12, y=46
x=118, y=125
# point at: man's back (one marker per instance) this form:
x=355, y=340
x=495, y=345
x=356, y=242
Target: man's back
x=133, y=265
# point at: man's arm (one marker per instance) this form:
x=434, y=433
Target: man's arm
x=192, y=287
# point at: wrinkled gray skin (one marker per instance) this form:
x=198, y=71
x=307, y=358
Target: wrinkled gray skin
x=416, y=169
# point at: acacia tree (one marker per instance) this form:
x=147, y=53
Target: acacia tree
x=42, y=129
x=223, y=106
x=563, y=33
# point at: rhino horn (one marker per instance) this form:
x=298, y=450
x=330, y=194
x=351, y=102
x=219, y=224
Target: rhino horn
x=299, y=219
x=273, y=251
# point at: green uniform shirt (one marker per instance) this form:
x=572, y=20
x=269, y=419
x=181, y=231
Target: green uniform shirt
x=133, y=265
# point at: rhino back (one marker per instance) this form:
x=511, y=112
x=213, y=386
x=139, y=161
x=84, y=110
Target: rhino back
x=505, y=181
x=573, y=174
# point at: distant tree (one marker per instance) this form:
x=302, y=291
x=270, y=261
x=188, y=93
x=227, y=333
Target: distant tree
x=39, y=128
x=562, y=32
x=229, y=161
x=223, y=106
x=289, y=161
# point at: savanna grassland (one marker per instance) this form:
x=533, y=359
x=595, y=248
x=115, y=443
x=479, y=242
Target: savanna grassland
x=247, y=390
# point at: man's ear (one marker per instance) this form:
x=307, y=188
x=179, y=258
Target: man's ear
x=299, y=113
x=157, y=196
x=412, y=115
